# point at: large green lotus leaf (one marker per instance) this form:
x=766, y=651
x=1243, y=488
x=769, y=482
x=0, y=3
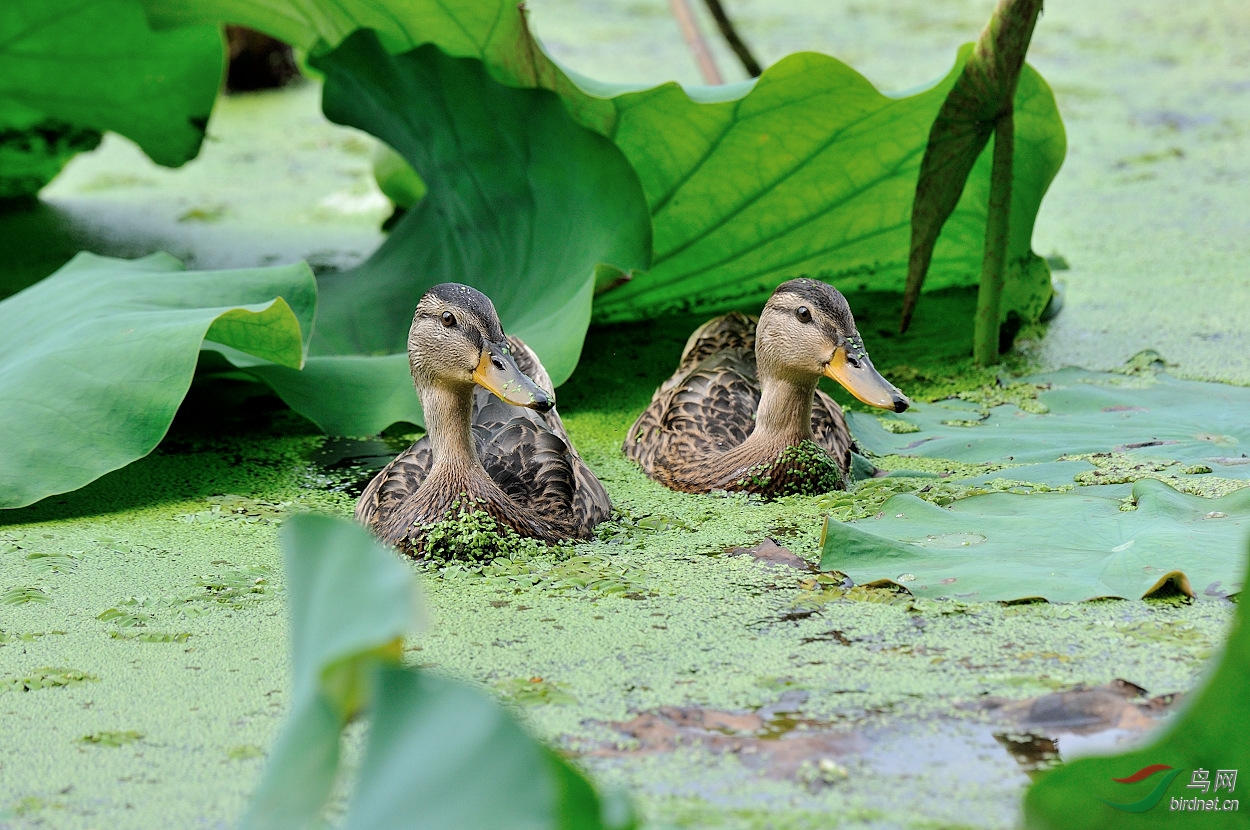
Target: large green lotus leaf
x=806, y=170
x=1208, y=736
x=440, y=754
x=97, y=64
x=813, y=171
x=95, y=359
x=522, y=203
x=492, y=31
x=347, y=394
x=1089, y=412
x=1063, y=547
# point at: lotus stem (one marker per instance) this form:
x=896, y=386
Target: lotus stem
x=994, y=260
x=727, y=30
x=694, y=39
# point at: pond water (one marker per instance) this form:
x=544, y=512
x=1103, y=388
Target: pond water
x=151, y=602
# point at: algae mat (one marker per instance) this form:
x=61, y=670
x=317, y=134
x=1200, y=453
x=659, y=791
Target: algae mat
x=147, y=623
x=1157, y=129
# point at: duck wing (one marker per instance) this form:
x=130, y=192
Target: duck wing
x=709, y=403
x=530, y=456
x=708, y=408
x=733, y=332
x=529, y=462
x=395, y=483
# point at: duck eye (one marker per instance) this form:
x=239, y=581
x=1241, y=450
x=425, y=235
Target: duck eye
x=449, y=319
x=804, y=315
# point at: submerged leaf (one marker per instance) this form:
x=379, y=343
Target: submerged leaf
x=46, y=677
x=1063, y=547
x=23, y=595
x=95, y=359
x=111, y=738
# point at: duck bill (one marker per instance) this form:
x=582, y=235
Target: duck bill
x=498, y=373
x=862, y=380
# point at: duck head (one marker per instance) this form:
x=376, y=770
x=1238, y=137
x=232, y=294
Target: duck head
x=806, y=330
x=456, y=341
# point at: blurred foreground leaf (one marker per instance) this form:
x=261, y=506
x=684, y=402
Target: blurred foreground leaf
x=95, y=359
x=1209, y=737
x=439, y=754
x=351, y=601
x=71, y=67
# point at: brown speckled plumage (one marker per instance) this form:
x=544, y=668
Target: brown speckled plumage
x=530, y=478
x=700, y=433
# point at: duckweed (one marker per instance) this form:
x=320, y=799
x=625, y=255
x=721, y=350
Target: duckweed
x=898, y=426
x=467, y=533
x=111, y=738
x=802, y=470
x=533, y=691
x=1122, y=468
x=1019, y=393
x=866, y=499
x=46, y=678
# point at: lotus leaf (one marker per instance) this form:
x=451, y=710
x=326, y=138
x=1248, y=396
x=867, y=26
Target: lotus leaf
x=811, y=170
x=1207, y=737
x=95, y=359
x=351, y=603
x=444, y=755
x=1063, y=547
x=522, y=203
x=1088, y=412
x=439, y=753
x=806, y=170
x=156, y=88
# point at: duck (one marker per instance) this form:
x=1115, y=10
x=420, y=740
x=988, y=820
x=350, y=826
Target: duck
x=742, y=413
x=494, y=441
